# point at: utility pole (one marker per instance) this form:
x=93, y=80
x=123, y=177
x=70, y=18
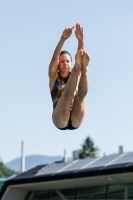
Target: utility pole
x=22, y=157
x=65, y=157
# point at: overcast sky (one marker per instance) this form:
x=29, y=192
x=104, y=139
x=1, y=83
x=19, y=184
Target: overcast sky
x=29, y=32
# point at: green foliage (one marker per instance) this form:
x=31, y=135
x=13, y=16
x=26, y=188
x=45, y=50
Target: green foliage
x=88, y=149
x=5, y=171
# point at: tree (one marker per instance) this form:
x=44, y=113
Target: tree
x=88, y=149
x=5, y=171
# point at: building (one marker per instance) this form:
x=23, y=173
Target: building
x=3, y=180
x=107, y=177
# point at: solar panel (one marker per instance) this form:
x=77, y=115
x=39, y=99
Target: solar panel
x=86, y=163
x=102, y=161
x=125, y=158
x=78, y=165
x=52, y=169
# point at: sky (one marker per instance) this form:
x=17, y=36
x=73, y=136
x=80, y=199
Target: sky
x=29, y=33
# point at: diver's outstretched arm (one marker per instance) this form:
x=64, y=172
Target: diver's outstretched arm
x=55, y=59
x=79, y=33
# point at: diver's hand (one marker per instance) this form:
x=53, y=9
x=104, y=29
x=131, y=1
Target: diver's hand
x=79, y=32
x=67, y=33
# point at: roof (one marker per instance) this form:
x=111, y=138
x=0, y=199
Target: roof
x=88, y=167
x=3, y=180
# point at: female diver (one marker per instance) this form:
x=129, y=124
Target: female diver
x=68, y=102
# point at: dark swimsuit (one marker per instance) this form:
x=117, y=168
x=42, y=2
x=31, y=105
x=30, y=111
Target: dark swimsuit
x=57, y=92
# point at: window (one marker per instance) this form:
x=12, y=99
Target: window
x=130, y=191
x=98, y=192
x=92, y=192
x=116, y=192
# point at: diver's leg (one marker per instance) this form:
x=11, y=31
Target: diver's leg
x=79, y=107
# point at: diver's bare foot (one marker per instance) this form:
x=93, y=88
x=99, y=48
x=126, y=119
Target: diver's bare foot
x=85, y=61
x=78, y=59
